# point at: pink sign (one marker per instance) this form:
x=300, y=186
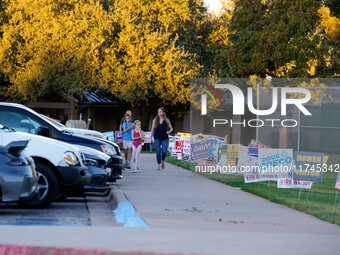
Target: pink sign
x=337, y=185
x=257, y=144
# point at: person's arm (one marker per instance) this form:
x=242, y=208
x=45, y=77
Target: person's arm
x=127, y=129
x=120, y=129
x=131, y=127
x=133, y=136
x=121, y=126
x=170, y=128
x=152, y=130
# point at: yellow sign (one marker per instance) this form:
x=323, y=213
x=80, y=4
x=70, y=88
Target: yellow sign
x=232, y=154
x=226, y=138
x=325, y=159
x=184, y=134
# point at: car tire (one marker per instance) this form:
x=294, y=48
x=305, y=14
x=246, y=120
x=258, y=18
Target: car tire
x=62, y=195
x=47, y=187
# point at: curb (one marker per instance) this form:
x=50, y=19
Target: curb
x=125, y=213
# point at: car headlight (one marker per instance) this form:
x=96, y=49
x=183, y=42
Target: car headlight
x=108, y=149
x=91, y=162
x=118, y=149
x=31, y=161
x=70, y=158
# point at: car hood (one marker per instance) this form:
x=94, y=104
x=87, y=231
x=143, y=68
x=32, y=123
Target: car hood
x=40, y=146
x=88, y=150
x=85, y=132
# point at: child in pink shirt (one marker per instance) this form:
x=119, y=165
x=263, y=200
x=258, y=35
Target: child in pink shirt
x=137, y=135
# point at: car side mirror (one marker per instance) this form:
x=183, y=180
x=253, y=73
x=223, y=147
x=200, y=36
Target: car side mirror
x=44, y=131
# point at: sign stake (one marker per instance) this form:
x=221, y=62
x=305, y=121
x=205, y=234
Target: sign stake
x=308, y=194
x=300, y=194
x=335, y=198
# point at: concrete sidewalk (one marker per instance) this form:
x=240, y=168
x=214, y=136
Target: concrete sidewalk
x=177, y=198
x=188, y=213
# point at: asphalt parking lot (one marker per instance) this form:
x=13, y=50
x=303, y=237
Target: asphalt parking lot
x=74, y=211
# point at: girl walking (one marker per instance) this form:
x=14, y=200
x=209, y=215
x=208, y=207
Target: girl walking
x=127, y=139
x=161, y=128
x=137, y=135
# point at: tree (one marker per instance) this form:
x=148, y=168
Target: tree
x=330, y=29
x=52, y=46
x=277, y=38
x=216, y=41
x=148, y=60
x=334, y=6
x=140, y=50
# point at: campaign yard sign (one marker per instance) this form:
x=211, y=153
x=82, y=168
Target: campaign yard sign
x=256, y=144
x=308, y=166
x=178, y=144
x=186, y=149
x=232, y=154
x=222, y=153
x=200, y=150
x=248, y=166
x=254, y=152
x=119, y=137
x=213, y=153
x=337, y=185
x=184, y=134
x=110, y=135
x=290, y=183
x=276, y=163
x=171, y=144
x=147, y=137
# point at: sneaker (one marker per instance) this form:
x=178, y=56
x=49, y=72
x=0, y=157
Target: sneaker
x=135, y=170
x=159, y=167
x=163, y=165
x=128, y=165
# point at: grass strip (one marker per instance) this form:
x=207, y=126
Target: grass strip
x=318, y=202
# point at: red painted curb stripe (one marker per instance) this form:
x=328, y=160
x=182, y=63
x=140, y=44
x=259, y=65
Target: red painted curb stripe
x=35, y=250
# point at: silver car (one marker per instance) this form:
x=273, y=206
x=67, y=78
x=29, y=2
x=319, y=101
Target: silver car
x=17, y=173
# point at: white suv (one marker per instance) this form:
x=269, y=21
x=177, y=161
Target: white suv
x=58, y=165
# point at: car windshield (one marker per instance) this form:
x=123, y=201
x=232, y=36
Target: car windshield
x=41, y=117
x=53, y=121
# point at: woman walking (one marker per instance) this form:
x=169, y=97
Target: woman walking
x=161, y=128
x=137, y=135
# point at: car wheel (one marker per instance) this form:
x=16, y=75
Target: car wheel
x=47, y=187
x=62, y=195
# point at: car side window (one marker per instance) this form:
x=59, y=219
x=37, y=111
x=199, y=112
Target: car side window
x=19, y=121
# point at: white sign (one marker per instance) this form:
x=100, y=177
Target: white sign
x=276, y=162
x=289, y=183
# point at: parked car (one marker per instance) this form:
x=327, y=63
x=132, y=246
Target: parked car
x=18, y=180
x=59, y=165
x=78, y=131
x=97, y=164
x=22, y=118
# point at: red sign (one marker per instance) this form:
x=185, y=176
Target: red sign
x=257, y=144
x=179, y=146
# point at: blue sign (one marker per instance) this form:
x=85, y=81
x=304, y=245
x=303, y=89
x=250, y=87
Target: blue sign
x=308, y=166
x=110, y=136
x=254, y=152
